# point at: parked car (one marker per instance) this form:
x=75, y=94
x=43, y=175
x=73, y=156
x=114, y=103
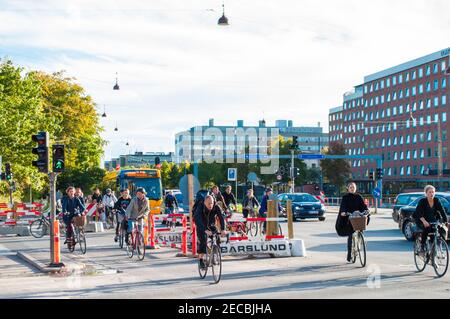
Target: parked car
x=406, y=219
x=182, y=207
x=403, y=200
x=304, y=206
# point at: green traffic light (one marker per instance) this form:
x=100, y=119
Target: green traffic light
x=59, y=164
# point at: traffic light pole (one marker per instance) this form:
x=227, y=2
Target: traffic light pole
x=52, y=177
x=292, y=172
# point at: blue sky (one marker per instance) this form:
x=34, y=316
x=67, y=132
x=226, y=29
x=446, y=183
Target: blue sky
x=282, y=59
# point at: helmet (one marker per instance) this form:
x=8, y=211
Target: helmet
x=141, y=190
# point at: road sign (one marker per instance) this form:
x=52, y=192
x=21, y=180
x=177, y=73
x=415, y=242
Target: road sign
x=183, y=185
x=376, y=192
x=252, y=177
x=232, y=174
x=311, y=156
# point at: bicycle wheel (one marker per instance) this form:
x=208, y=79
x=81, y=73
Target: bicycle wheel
x=354, y=249
x=252, y=228
x=130, y=245
x=361, y=247
x=203, y=271
x=140, y=246
x=440, y=257
x=38, y=228
x=420, y=258
x=216, y=263
x=82, y=241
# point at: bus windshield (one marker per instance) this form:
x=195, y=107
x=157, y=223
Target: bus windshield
x=152, y=186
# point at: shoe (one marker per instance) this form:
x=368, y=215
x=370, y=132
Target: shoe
x=116, y=238
x=202, y=264
x=349, y=258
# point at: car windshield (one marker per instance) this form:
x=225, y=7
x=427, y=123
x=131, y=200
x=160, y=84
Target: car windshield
x=302, y=198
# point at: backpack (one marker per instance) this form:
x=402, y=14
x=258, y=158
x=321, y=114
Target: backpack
x=200, y=198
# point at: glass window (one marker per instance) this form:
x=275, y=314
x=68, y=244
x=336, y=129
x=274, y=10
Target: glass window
x=428, y=70
x=436, y=101
x=420, y=73
x=394, y=80
x=436, y=85
x=413, y=76
x=435, y=68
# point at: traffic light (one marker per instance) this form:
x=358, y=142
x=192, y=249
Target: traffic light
x=294, y=144
x=8, y=173
x=58, y=158
x=371, y=176
x=157, y=162
x=379, y=173
x=41, y=151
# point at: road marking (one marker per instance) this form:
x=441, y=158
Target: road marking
x=5, y=251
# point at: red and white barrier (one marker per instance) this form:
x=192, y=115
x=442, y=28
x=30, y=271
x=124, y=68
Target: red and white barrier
x=169, y=231
x=91, y=210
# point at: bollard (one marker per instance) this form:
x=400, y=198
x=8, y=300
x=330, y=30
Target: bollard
x=184, y=237
x=194, y=239
x=146, y=222
x=152, y=232
x=290, y=219
x=56, y=262
x=271, y=212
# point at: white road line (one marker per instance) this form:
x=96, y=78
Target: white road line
x=5, y=251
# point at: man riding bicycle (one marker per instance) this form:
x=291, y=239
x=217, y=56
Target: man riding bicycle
x=109, y=200
x=205, y=218
x=71, y=207
x=429, y=210
x=171, y=202
x=350, y=203
x=228, y=197
x=121, y=207
x=137, y=210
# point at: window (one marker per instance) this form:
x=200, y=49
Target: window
x=443, y=66
x=435, y=68
x=408, y=155
x=428, y=136
x=394, y=80
x=420, y=73
x=428, y=70
x=388, y=82
x=395, y=156
x=444, y=117
x=422, y=169
x=394, y=110
x=413, y=91
x=407, y=76
x=408, y=139
x=436, y=85
x=414, y=138
x=413, y=76
x=400, y=79
x=402, y=170
x=422, y=153
x=408, y=170
x=443, y=83
x=415, y=154
x=420, y=88
x=444, y=100
x=382, y=84
x=428, y=87
x=436, y=101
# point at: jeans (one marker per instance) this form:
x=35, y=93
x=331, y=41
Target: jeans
x=349, y=245
x=131, y=224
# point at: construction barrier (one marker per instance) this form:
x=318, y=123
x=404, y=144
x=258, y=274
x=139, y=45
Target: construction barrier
x=165, y=236
x=56, y=243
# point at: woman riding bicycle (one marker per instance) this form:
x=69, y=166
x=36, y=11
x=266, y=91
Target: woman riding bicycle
x=350, y=203
x=205, y=218
x=137, y=210
x=121, y=206
x=71, y=206
x=250, y=204
x=429, y=210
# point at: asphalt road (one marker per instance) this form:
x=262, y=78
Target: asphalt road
x=324, y=273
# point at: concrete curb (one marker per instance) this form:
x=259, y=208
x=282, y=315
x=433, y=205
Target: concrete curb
x=37, y=264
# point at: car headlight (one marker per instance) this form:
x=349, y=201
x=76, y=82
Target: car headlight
x=297, y=208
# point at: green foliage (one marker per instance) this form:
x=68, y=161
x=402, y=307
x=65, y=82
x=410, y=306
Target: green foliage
x=34, y=102
x=336, y=171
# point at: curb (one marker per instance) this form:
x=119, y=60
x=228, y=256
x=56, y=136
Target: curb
x=35, y=263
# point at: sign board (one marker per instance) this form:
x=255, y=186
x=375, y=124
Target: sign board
x=311, y=156
x=376, y=192
x=279, y=248
x=183, y=186
x=252, y=177
x=232, y=174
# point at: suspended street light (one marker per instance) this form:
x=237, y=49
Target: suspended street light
x=104, y=111
x=223, y=19
x=116, y=129
x=116, y=87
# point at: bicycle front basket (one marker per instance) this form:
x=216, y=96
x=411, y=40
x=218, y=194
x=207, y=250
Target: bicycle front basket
x=80, y=221
x=359, y=223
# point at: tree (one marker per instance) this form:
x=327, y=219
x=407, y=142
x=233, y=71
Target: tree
x=336, y=171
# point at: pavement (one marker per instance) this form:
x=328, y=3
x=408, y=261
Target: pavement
x=324, y=273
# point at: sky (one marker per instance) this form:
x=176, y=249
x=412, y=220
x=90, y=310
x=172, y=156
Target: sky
x=283, y=59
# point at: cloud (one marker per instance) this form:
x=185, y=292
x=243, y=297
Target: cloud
x=176, y=68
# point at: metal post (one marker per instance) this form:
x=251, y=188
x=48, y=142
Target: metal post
x=292, y=172
x=52, y=177
x=290, y=219
x=10, y=195
x=236, y=190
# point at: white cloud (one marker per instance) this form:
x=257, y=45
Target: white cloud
x=278, y=59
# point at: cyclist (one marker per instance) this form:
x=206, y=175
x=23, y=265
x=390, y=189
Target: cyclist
x=219, y=198
x=228, y=197
x=121, y=206
x=71, y=207
x=205, y=217
x=429, y=210
x=249, y=204
x=109, y=200
x=350, y=203
x=97, y=199
x=263, y=208
x=137, y=210
x=80, y=195
x=171, y=202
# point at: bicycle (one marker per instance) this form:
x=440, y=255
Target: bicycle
x=111, y=218
x=359, y=223
x=258, y=228
x=78, y=235
x=213, y=256
x=40, y=226
x=436, y=251
x=135, y=241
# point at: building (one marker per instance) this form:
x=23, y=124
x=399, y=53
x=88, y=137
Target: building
x=138, y=159
x=228, y=139
x=401, y=114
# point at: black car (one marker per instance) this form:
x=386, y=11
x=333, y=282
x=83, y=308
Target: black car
x=304, y=206
x=403, y=200
x=406, y=220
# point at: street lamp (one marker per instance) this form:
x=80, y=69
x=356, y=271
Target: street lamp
x=223, y=19
x=116, y=86
x=116, y=129
x=104, y=111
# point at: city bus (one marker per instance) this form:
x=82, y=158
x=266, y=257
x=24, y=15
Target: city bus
x=150, y=179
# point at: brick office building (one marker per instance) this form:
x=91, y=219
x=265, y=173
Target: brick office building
x=396, y=113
